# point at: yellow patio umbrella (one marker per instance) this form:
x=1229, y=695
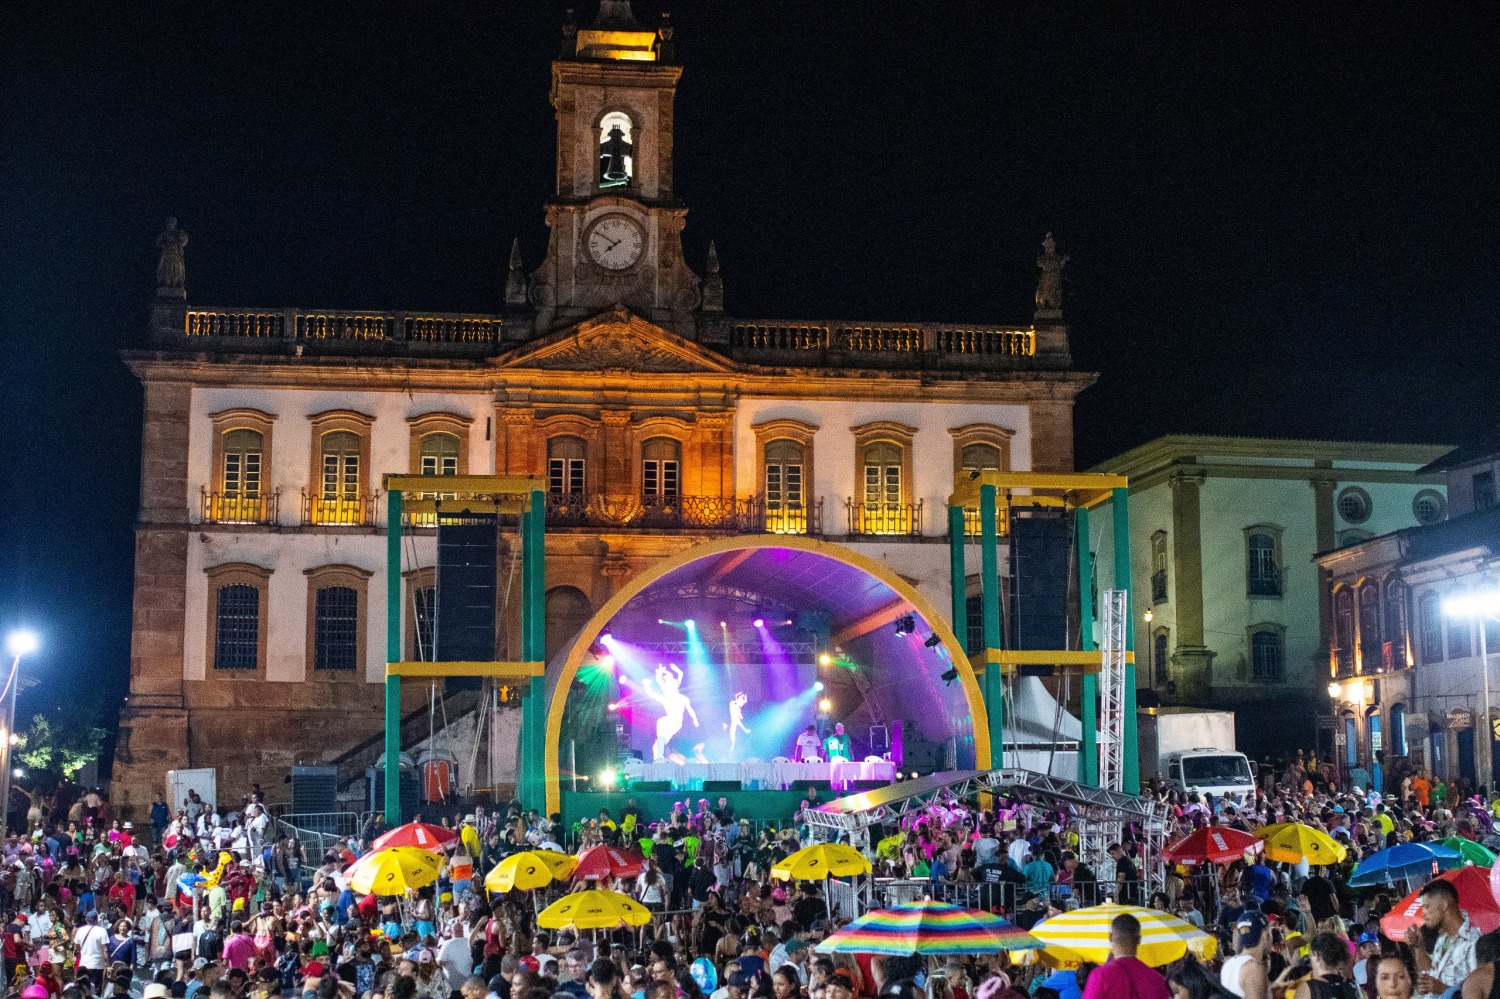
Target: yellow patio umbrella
x=394, y=871
x=595, y=909
x=821, y=860
x=529, y=869
x=1083, y=935
x=1291, y=842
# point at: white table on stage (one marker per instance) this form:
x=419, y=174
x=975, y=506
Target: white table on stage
x=757, y=775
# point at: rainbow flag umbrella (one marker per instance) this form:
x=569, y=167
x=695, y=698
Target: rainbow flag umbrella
x=394, y=871
x=821, y=860
x=596, y=909
x=1083, y=935
x=928, y=927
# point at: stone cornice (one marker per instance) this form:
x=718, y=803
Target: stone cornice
x=1173, y=448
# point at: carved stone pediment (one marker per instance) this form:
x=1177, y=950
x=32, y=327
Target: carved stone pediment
x=617, y=340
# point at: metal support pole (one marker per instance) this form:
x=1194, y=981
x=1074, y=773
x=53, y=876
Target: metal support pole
x=5, y=745
x=958, y=579
x=1485, y=769
x=533, y=649
x=1120, y=507
x=989, y=571
x=1088, y=703
x=393, y=655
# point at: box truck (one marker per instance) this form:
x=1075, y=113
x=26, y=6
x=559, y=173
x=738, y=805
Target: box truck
x=1194, y=750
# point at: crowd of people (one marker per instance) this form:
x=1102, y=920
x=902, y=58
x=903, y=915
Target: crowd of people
x=222, y=900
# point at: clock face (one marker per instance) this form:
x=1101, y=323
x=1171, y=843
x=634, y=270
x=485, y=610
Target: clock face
x=615, y=243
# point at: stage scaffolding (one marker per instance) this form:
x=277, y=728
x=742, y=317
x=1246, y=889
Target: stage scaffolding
x=1100, y=812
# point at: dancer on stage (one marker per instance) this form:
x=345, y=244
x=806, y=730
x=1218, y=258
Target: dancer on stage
x=737, y=718
x=837, y=745
x=674, y=703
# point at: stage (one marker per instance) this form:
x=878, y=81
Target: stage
x=754, y=775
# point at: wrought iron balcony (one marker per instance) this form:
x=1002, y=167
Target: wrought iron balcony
x=340, y=511
x=712, y=513
x=889, y=519
x=974, y=524
x=1344, y=665
x=789, y=518
x=217, y=508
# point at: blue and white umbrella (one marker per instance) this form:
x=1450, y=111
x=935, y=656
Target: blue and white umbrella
x=1403, y=862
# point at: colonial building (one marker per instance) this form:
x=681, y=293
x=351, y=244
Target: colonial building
x=657, y=418
x=1223, y=532
x=1405, y=658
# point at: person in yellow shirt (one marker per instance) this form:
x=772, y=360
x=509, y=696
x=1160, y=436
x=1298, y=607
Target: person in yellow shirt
x=469, y=837
x=1383, y=820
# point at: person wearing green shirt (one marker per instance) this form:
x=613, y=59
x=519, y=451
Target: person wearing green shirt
x=1439, y=792
x=836, y=746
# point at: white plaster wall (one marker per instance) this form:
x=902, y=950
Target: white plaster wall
x=834, y=459
x=291, y=434
x=288, y=556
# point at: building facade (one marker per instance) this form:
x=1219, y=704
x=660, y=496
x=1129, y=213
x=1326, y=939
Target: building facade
x=1408, y=642
x=1223, y=533
x=657, y=420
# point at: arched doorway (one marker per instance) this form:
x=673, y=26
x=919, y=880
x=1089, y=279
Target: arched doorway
x=796, y=567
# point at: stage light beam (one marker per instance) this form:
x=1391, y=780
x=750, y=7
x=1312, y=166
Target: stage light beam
x=760, y=623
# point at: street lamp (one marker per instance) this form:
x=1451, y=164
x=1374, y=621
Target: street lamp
x=1482, y=606
x=20, y=642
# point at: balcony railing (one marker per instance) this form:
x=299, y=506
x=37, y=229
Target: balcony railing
x=216, y=508
x=713, y=513
x=340, y=511
x=1159, y=586
x=895, y=338
x=1343, y=663
x=348, y=326
x=890, y=519
x=974, y=523
x=790, y=518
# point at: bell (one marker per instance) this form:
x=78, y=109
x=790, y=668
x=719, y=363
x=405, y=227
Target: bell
x=615, y=151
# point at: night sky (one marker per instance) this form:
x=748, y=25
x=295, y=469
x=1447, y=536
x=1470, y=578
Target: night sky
x=1280, y=222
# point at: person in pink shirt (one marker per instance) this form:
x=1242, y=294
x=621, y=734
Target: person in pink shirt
x=239, y=948
x=1124, y=976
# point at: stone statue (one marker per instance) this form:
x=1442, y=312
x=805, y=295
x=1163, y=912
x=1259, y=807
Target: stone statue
x=713, y=283
x=515, y=278
x=171, y=273
x=1049, y=284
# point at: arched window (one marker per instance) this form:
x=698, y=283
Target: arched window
x=661, y=461
x=1159, y=567
x=616, y=150
x=1372, y=728
x=1430, y=617
x=980, y=458
x=567, y=460
x=1395, y=626
x=1343, y=630
x=1264, y=561
x=439, y=454
x=1398, y=730
x=567, y=611
x=336, y=628
x=784, y=477
x=1370, y=658
x=1267, y=663
x=340, y=451
x=240, y=476
x=1161, y=656
x=1460, y=638
x=237, y=627
x=882, y=463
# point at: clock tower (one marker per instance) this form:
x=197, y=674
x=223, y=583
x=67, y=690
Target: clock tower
x=616, y=231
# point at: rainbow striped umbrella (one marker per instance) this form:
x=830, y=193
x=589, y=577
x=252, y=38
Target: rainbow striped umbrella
x=928, y=927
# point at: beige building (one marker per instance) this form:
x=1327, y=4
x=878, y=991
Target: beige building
x=1223, y=533
x=658, y=420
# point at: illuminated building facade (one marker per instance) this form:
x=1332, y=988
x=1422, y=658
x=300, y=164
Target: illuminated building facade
x=658, y=420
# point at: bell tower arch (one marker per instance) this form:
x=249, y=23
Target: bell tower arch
x=616, y=230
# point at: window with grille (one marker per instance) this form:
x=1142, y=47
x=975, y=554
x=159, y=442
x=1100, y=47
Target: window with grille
x=660, y=457
x=1343, y=628
x=1159, y=567
x=882, y=474
x=1354, y=505
x=340, y=465
x=424, y=635
x=336, y=628
x=439, y=454
x=783, y=475
x=1395, y=622
x=237, y=627
x=980, y=458
x=1431, y=619
x=241, y=472
x=1265, y=573
x=1369, y=627
x=1265, y=657
x=566, y=462
x=1460, y=639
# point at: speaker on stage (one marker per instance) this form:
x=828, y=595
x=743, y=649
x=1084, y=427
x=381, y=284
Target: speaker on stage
x=647, y=786
x=464, y=626
x=720, y=786
x=1040, y=562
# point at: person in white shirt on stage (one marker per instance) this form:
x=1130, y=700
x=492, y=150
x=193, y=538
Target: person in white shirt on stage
x=808, y=746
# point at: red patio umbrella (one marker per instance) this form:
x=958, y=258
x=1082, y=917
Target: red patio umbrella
x=421, y=835
x=1211, y=845
x=1474, y=897
x=602, y=862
